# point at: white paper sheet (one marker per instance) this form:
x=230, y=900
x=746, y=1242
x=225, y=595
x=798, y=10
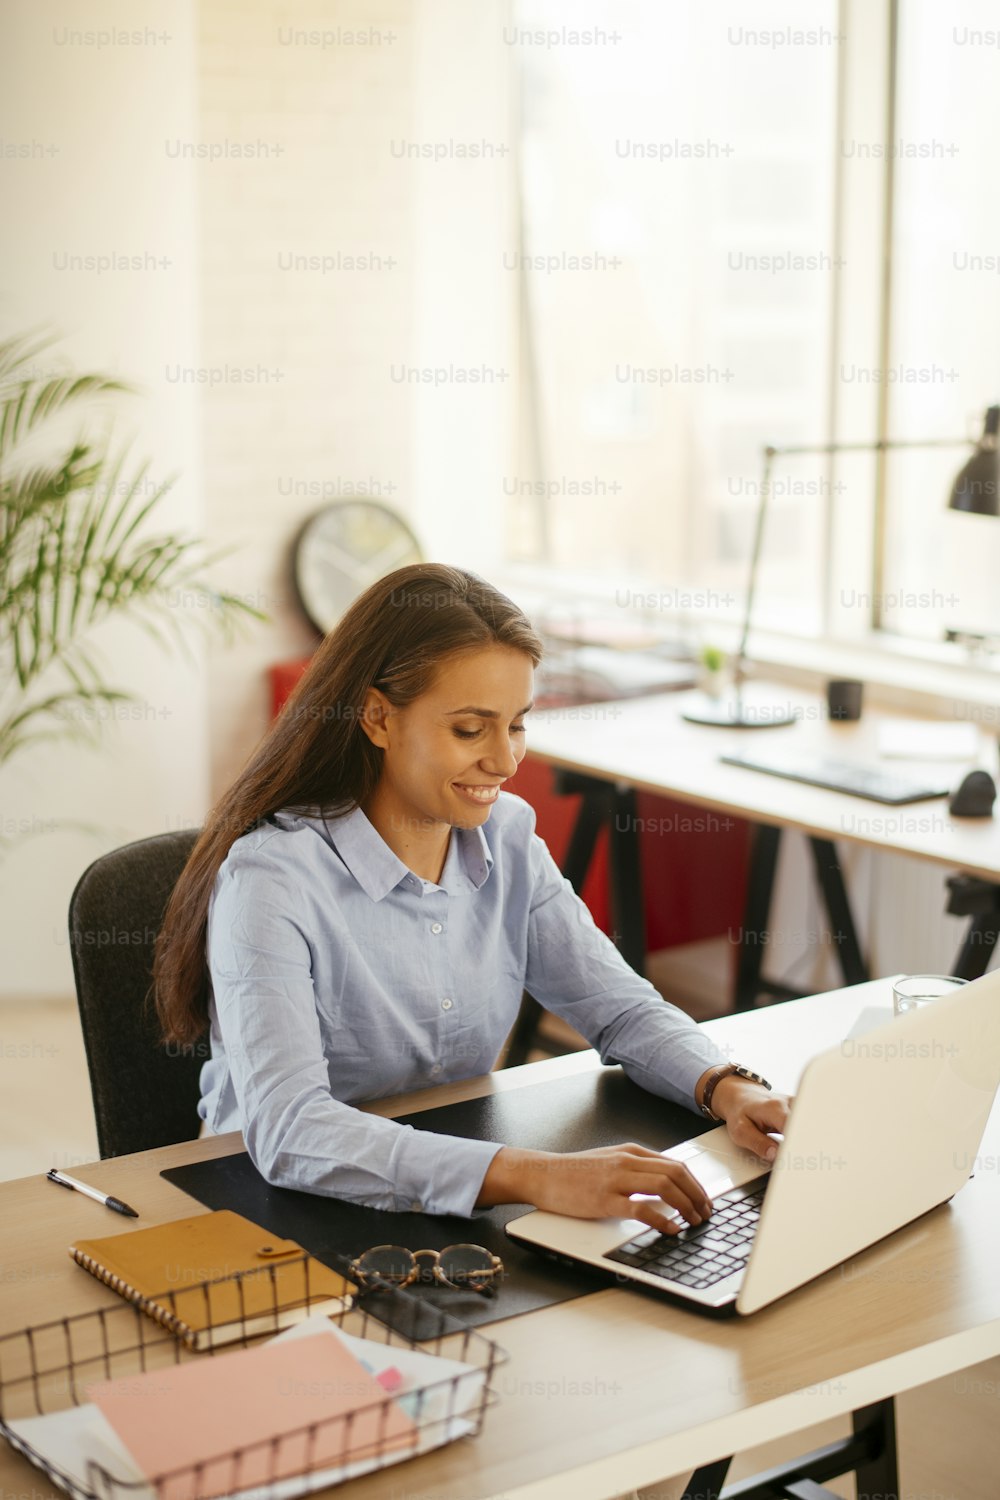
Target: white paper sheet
x=928, y=739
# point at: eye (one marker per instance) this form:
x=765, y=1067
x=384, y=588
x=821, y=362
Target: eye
x=472, y=734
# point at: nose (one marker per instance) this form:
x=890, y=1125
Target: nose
x=501, y=758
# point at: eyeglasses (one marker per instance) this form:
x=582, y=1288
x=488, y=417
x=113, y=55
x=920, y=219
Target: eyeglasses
x=462, y=1266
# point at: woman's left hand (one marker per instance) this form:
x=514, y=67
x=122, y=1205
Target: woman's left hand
x=750, y=1112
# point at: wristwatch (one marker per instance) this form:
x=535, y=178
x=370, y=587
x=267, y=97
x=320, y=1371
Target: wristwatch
x=726, y=1070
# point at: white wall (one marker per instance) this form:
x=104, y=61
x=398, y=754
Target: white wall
x=464, y=433
x=227, y=137
x=324, y=420
x=338, y=117
x=97, y=181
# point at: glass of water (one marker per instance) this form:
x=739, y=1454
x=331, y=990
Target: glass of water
x=915, y=990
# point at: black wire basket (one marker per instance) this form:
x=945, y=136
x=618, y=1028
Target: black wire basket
x=47, y=1369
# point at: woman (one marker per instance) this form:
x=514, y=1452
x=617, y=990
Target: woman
x=365, y=905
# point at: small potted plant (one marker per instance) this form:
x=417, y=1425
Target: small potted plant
x=712, y=662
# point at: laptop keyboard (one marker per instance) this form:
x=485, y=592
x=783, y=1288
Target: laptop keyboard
x=849, y=776
x=703, y=1253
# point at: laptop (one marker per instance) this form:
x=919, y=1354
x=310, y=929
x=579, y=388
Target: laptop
x=884, y=1127
x=854, y=777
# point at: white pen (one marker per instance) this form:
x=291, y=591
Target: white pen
x=81, y=1187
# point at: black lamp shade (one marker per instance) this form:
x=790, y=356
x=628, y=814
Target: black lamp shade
x=977, y=487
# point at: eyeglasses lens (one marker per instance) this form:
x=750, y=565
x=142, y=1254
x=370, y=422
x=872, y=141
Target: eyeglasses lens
x=466, y=1265
x=387, y=1262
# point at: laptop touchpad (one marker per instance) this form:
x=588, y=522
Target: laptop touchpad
x=717, y=1162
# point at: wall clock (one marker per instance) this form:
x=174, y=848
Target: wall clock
x=342, y=549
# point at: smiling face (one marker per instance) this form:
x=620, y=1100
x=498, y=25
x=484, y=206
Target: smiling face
x=446, y=755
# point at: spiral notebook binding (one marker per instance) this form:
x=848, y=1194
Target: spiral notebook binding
x=148, y=1305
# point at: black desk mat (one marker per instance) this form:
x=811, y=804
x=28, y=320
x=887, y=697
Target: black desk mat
x=599, y=1108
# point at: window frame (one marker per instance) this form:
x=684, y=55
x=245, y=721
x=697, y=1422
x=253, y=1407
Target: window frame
x=855, y=520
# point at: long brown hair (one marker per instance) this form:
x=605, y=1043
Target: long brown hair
x=316, y=759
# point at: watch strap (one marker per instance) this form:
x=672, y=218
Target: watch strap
x=726, y=1070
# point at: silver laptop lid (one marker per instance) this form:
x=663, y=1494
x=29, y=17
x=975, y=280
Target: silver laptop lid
x=885, y=1126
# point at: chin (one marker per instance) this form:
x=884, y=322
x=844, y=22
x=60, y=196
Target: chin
x=471, y=819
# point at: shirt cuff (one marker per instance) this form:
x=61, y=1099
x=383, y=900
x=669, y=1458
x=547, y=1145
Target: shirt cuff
x=696, y=1065
x=672, y=1068
x=445, y=1173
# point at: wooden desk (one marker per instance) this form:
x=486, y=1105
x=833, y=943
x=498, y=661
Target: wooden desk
x=616, y=1389
x=643, y=744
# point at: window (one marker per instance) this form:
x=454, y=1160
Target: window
x=941, y=569
x=677, y=264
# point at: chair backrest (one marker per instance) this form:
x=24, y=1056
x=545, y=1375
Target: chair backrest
x=145, y=1094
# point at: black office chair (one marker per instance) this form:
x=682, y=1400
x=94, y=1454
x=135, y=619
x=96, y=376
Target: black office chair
x=145, y=1094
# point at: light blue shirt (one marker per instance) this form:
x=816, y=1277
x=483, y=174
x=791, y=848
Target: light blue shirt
x=338, y=976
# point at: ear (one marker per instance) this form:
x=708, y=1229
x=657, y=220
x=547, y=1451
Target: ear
x=375, y=711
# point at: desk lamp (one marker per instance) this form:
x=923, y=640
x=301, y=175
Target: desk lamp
x=975, y=489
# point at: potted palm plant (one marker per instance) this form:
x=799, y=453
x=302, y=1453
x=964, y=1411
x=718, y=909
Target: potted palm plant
x=78, y=546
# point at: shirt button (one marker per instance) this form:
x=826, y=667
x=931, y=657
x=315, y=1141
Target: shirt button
x=417, y=1206
x=436, y=927
x=436, y=1068
x=447, y=1004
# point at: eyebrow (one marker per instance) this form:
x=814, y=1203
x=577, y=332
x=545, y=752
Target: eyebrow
x=487, y=713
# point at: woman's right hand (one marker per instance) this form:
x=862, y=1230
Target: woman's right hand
x=598, y=1184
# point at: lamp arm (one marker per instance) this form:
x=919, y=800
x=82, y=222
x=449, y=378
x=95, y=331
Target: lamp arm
x=739, y=667
x=770, y=454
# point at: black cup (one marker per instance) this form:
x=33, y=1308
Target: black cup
x=843, y=698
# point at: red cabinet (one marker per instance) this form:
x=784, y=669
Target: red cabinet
x=694, y=861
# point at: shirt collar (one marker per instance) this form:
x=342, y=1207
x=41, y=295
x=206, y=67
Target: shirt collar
x=378, y=870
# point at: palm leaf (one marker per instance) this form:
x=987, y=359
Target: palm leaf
x=20, y=350
x=63, y=716
x=75, y=548
x=37, y=401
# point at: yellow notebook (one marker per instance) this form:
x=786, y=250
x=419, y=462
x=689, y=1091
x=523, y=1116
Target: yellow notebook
x=162, y=1270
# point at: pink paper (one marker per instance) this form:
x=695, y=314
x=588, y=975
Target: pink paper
x=256, y=1400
